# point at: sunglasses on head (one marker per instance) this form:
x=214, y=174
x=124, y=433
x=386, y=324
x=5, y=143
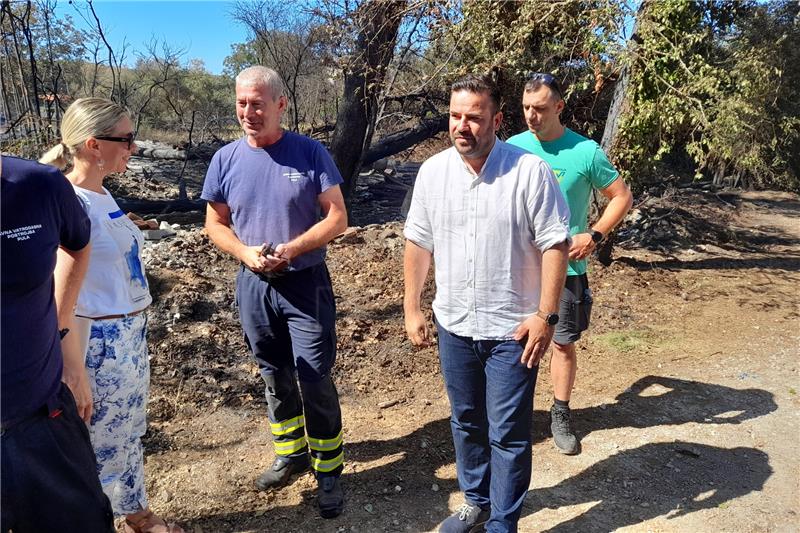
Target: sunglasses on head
x=547, y=79
x=126, y=139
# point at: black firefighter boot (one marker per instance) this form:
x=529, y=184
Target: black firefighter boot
x=330, y=497
x=281, y=471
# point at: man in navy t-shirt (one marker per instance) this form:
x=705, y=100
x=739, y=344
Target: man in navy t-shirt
x=274, y=202
x=49, y=477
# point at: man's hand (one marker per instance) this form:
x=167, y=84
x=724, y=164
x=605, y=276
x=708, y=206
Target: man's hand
x=286, y=250
x=417, y=329
x=281, y=257
x=251, y=257
x=538, y=335
x=582, y=246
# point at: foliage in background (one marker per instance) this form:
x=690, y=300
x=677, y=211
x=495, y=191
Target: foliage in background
x=574, y=40
x=47, y=63
x=712, y=86
x=292, y=42
x=714, y=89
x=754, y=135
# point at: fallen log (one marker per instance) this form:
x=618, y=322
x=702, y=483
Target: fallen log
x=401, y=140
x=158, y=207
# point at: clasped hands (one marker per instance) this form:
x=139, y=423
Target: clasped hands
x=264, y=259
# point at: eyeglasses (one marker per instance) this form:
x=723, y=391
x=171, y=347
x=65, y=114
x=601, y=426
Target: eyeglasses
x=127, y=139
x=547, y=79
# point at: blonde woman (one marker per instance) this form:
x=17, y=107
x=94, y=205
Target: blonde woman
x=111, y=322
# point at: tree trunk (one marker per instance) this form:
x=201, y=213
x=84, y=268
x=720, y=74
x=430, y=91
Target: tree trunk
x=181, y=180
x=378, y=23
x=620, y=107
x=26, y=31
x=23, y=85
x=4, y=82
x=620, y=104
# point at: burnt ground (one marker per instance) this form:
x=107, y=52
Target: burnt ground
x=686, y=399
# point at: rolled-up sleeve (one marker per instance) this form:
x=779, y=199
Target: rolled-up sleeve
x=548, y=210
x=418, y=228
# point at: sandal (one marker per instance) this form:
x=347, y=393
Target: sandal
x=148, y=522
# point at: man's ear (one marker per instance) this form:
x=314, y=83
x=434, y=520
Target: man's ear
x=497, y=120
x=283, y=103
x=560, y=105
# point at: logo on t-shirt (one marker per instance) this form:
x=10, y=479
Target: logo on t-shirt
x=294, y=176
x=21, y=234
x=134, y=265
x=127, y=237
x=560, y=173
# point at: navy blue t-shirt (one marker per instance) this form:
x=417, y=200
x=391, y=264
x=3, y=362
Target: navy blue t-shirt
x=39, y=212
x=272, y=191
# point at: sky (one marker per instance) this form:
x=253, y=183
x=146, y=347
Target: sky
x=204, y=29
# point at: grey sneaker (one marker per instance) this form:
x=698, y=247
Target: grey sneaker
x=280, y=472
x=330, y=498
x=561, y=427
x=468, y=518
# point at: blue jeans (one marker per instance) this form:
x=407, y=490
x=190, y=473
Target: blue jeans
x=491, y=401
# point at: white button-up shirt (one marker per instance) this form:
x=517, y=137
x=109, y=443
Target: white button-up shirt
x=487, y=233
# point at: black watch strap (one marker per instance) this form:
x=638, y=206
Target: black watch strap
x=597, y=236
x=63, y=332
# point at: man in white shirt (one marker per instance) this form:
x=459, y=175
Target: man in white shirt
x=494, y=220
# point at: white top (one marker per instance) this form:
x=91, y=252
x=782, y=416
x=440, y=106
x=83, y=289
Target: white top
x=487, y=234
x=115, y=283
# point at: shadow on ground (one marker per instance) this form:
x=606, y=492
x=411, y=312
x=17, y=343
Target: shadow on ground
x=787, y=262
x=664, y=401
x=631, y=486
x=664, y=479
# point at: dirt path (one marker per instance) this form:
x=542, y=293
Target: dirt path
x=686, y=399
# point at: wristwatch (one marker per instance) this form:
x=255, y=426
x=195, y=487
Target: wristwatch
x=597, y=236
x=551, y=319
x=63, y=332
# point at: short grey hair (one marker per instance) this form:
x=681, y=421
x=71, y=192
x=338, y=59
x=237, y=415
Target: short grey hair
x=259, y=75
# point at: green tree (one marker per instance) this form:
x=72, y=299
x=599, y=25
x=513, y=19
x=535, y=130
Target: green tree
x=754, y=130
x=713, y=84
x=575, y=40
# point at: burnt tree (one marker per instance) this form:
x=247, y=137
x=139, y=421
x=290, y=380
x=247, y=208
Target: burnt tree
x=620, y=107
x=378, y=22
x=620, y=103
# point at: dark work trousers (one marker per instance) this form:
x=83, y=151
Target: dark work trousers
x=49, y=474
x=289, y=325
x=491, y=404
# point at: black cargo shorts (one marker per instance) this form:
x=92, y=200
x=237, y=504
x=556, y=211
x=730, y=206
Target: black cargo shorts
x=575, y=310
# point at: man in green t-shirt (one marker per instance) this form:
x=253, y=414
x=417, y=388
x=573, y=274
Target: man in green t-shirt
x=580, y=166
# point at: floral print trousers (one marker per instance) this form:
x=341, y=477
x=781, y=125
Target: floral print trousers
x=119, y=375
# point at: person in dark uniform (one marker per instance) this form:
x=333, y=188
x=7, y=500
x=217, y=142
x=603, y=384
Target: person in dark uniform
x=276, y=187
x=49, y=477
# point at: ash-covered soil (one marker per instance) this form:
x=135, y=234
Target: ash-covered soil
x=686, y=399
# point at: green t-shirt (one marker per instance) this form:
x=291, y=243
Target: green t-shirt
x=579, y=165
